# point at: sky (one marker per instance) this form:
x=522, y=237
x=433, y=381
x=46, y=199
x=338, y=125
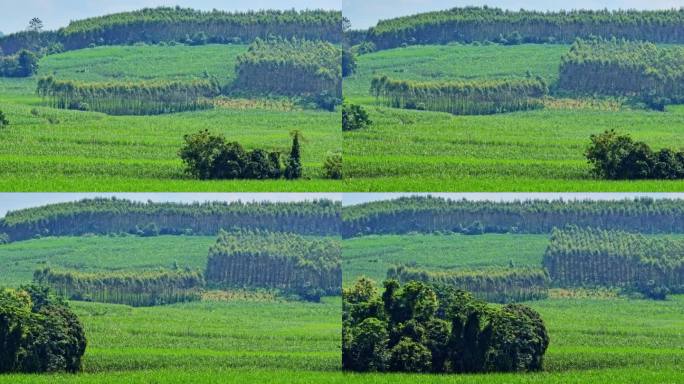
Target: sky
x=15, y=15
x=366, y=13
x=15, y=201
x=359, y=198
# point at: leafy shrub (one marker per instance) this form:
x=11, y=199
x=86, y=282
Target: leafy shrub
x=23, y=64
x=39, y=332
x=3, y=120
x=208, y=156
x=293, y=170
x=4, y=238
x=354, y=117
x=348, y=62
x=615, y=157
x=424, y=328
x=332, y=167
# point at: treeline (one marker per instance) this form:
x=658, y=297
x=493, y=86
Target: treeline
x=39, y=332
x=589, y=257
x=134, y=98
x=422, y=328
x=494, y=285
x=428, y=214
x=134, y=288
x=279, y=260
x=477, y=97
x=292, y=67
x=166, y=24
x=23, y=64
x=625, y=68
x=112, y=216
x=481, y=24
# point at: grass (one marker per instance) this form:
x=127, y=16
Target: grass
x=101, y=253
x=47, y=149
x=524, y=151
x=371, y=256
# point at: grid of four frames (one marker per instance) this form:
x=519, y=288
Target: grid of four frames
x=360, y=191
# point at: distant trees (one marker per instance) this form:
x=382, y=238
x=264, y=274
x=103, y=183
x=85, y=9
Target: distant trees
x=138, y=98
x=418, y=327
x=588, y=257
x=470, y=24
x=3, y=120
x=138, y=288
x=500, y=285
x=291, y=68
x=114, y=216
x=354, y=117
x=279, y=260
x=35, y=25
x=38, y=332
x=479, y=97
x=23, y=64
x=208, y=156
x=432, y=214
x=348, y=62
x=644, y=71
x=166, y=24
x=614, y=156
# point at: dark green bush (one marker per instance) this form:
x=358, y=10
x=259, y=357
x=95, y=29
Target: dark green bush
x=332, y=168
x=3, y=120
x=38, y=332
x=354, y=117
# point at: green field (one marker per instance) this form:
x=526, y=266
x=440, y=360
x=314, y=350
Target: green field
x=47, y=149
x=523, y=151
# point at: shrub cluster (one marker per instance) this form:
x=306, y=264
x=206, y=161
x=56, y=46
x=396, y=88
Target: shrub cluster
x=209, y=156
x=354, y=117
x=38, y=332
x=421, y=328
x=614, y=156
x=3, y=120
x=23, y=64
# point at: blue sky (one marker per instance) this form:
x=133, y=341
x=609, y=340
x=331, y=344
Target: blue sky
x=15, y=201
x=366, y=13
x=15, y=15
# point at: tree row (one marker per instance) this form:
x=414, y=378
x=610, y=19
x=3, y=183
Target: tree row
x=432, y=214
x=111, y=216
x=476, y=97
x=279, y=260
x=494, y=285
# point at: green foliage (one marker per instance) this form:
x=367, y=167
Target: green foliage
x=348, y=62
x=287, y=261
x=131, y=288
x=590, y=257
x=23, y=64
x=290, y=67
x=477, y=97
x=138, y=98
x=427, y=214
x=500, y=285
x=420, y=328
x=293, y=168
x=616, y=157
x=332, y=167
x=354, y=117
x=114, y=216
x=618, y=67
x=38, y=332
x=3, y=120
x=470, y=24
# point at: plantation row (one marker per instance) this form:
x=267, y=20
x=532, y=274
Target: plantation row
x=245, y=258
x=135, y=98
x=290, y=67
x=167, y=24
x=489, y=24
x=106, y=216
x=593, y=257
x=480, y=97
x=431, y=214
x=131, y=288
x=620, y=67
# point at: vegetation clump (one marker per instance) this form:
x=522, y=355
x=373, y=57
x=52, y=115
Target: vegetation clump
x=278, y=260
x=613, y=156
x=38, y=332
x=136, y=289
x=23, y=64
x=476, y=97
x=332, y=167
x=500, y=285
x=3, y=120
x=422, y=328
x=589, y=257
x=354, y=117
